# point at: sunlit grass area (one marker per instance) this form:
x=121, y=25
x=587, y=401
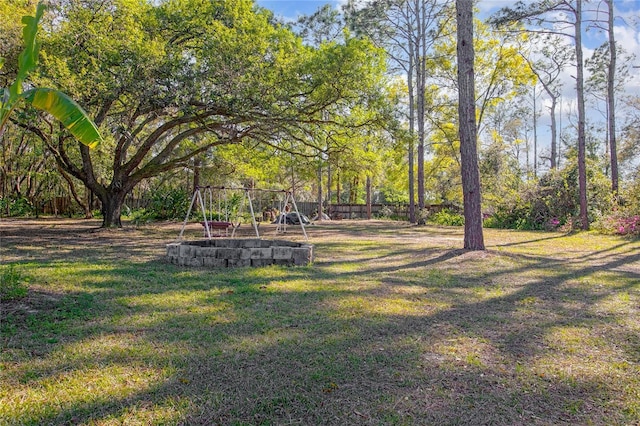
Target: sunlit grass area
x=392, y=324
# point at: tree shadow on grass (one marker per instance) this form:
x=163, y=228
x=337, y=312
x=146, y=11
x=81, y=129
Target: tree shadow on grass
x=479, y=342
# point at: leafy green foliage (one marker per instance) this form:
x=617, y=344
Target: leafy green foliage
x=385, y=212
x=16, y=206
x=54, y=102
x=551, y=202
x=177, y=80
x=166, y=204
x=447, y=217
x=624, y=217
x=68, y=112
x=619, y=222
x=545, y=205
x=171, y=204
x=13, y=284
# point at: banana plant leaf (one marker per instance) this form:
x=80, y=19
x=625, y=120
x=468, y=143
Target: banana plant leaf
x=28, y=59
x=67, y=111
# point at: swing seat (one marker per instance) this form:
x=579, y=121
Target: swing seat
x=213, y=226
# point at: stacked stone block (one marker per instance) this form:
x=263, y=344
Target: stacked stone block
x=226, y=253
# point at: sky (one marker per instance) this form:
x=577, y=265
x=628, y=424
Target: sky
x=293, y=8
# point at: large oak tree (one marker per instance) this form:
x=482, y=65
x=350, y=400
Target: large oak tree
x=174, y=79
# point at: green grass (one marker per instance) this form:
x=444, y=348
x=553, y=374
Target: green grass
x=392, y=324
x=13, y=283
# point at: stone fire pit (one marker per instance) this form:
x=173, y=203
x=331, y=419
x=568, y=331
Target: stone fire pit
x=229, y=253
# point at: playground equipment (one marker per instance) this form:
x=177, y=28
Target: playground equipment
x=233, y=223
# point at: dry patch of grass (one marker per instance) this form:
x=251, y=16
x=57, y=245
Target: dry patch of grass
x=393, y=324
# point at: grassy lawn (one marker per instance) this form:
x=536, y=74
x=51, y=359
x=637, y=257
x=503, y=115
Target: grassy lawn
x=392, y=325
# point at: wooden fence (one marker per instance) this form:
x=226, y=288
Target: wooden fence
x=360, y=211
x=64, y=205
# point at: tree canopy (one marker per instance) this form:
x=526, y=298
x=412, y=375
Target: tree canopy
x=174, y=79
x=347, y=104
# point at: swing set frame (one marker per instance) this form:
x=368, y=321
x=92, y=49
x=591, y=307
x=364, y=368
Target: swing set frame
x=208, y=223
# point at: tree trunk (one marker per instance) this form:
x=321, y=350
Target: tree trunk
x=196, y=174
x=329, y=188
x=559, y=146
x=338, y=200
x=420, y=98
x=368, y=197
x=112, y=203
x=611, y=117
x=72, y=188
x=473, y=236
x=582, y=155
x=412, y=119
x=320, y=210
x=535, y=133
x=554, y=132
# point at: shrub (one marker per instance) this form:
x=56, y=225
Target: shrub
x=620, y=222
x=551, y=203
x=385, y=212
x=16, y=206
x=627, y=225
x=166, y=205
x=422, y=216
x=12, y=284
x=447, y=217
x=141, y=217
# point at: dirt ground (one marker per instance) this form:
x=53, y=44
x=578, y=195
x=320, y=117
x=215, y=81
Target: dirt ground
x=43, y=237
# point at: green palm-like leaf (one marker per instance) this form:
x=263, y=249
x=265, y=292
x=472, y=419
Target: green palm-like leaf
x=67, y=111
x=28, y=59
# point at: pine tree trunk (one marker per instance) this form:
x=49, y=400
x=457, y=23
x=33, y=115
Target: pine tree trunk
x=611, y=118
x=473, y=236
x=420, y=98
x=412, y=115
x=535, y=133
x=368, y=197
x=320, y=210
x=329, y=188
x=582, y=154
x=554, y=133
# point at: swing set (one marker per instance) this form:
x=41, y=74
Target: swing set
x=203, y=197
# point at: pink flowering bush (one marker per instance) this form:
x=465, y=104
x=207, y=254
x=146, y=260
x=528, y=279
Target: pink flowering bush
x=628, y=225
x=620, y=223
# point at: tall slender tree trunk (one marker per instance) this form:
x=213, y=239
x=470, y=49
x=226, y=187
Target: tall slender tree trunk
x=535, y=133
x=554, y=132
x=420, y=70
x=582, y=155
x=368, y=184
x=320, y=210
x=611, y=116
x=329, y=187
x=72, y=188
x=412, y=119
x=560, y=134
x=196, y=174
x=473, y=236
x=338, y=200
